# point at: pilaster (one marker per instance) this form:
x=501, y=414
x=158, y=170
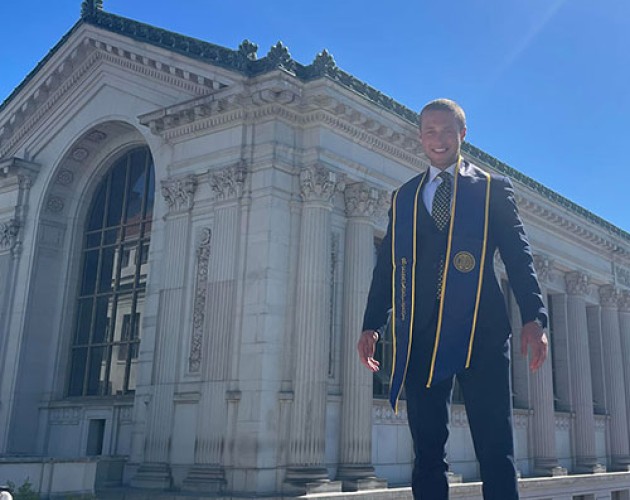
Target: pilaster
x=306, y=471
x=580, y=371
x=155, y=472
x=208, y=473
x=355, y=448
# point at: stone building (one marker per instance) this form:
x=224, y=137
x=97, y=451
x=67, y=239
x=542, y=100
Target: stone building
x=187, y=234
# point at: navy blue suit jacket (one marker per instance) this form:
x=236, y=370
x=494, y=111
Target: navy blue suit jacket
x=505, y=234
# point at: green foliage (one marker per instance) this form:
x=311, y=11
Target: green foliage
x=24, y=492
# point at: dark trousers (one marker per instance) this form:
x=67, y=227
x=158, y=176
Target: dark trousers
x=487, y=396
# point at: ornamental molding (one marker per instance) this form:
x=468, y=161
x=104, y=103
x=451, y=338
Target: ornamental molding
x=9, y=235
x=199, y=304
x=69, y=72
x=65, y=416
x=577, y=283
x=458, y=416
x=319, y=184
x=383, y=414
x=623, y=275
x=229, y=183
x=596, y=239
x=544, y=266
x=179, y=192
x=609, y=296
x=363, y=200
x=563, y=421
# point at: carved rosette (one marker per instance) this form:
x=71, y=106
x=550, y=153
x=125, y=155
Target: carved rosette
x=179, y=192
x=577, y=283
x=199, y=307
x=8, y=235
x=317, y=183
x=228, y=183
x=543, y=266
x=624, y=301
x=609, y=296
x=364, y=201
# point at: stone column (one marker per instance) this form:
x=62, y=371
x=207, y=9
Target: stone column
x=614, y=378
x=306, y=472
x=624, y=330
x=543, y=418
x=155, y=471
x=208, y=474
x=582, y=394
x=355, y=447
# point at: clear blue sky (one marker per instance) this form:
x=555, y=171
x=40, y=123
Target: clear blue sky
x=545, y=83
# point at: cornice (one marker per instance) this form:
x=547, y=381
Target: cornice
x=71, y=70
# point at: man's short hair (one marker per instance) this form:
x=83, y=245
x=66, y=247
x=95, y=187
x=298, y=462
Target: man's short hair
x=445, y=105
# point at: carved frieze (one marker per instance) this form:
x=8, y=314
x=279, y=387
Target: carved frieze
x=65, y=416
x=179, y=192
x=624, y=301
x=609, y=296
x=383, y=414
x=363, y=200
x=8, y=234
x=543, y=266
x=228, y=183
x=199, y=304
x=577, y=283
x=317, y=183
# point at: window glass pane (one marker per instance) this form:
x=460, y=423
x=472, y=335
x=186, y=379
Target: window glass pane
x=95, y=220
x=116, y=193
x=117, y=370
x=137, y=183
x=132, y=233
x=107, y=277
x=111, y=236
x=150, y=194
x=93, y=239
x=77, y=371
x=90, y=265
x=104, y=307
x=84, y=321
x=96, y=385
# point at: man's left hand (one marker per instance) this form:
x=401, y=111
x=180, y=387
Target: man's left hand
x=533, y=336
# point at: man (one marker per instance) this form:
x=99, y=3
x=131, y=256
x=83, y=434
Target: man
x=435, y=273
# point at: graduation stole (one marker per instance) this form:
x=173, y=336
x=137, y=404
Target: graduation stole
x=462, y=281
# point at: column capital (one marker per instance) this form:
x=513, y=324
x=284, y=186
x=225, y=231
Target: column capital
x=577, y=283
x=179, y=192
x=624, y=301
x=609, y=296
x=543, y=265
x=363, y=200
x=228, y=184
x=318, y=183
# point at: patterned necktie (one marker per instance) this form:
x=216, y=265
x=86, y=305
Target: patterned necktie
x=441, y=213
x=441, y=208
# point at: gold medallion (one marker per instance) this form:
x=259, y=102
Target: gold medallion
x=464, y=262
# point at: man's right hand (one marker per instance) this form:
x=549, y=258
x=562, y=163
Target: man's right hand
x=366, y=348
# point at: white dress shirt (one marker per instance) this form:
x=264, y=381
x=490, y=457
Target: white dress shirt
x=430, y=186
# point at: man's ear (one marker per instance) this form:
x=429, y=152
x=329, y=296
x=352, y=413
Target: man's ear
x=462, y=134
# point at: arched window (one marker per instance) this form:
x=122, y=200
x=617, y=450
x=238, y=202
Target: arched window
x=112, y=285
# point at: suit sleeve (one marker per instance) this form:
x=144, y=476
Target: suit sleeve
x=379, y=300
x=516, y=252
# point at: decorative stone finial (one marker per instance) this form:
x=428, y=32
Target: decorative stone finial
x=248, y=50
x=279, y=57
x=89, y=8
x=323, y=64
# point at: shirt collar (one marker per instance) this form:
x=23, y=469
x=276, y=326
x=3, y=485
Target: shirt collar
x=434, y=171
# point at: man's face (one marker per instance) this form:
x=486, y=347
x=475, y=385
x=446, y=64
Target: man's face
x=441, y=137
